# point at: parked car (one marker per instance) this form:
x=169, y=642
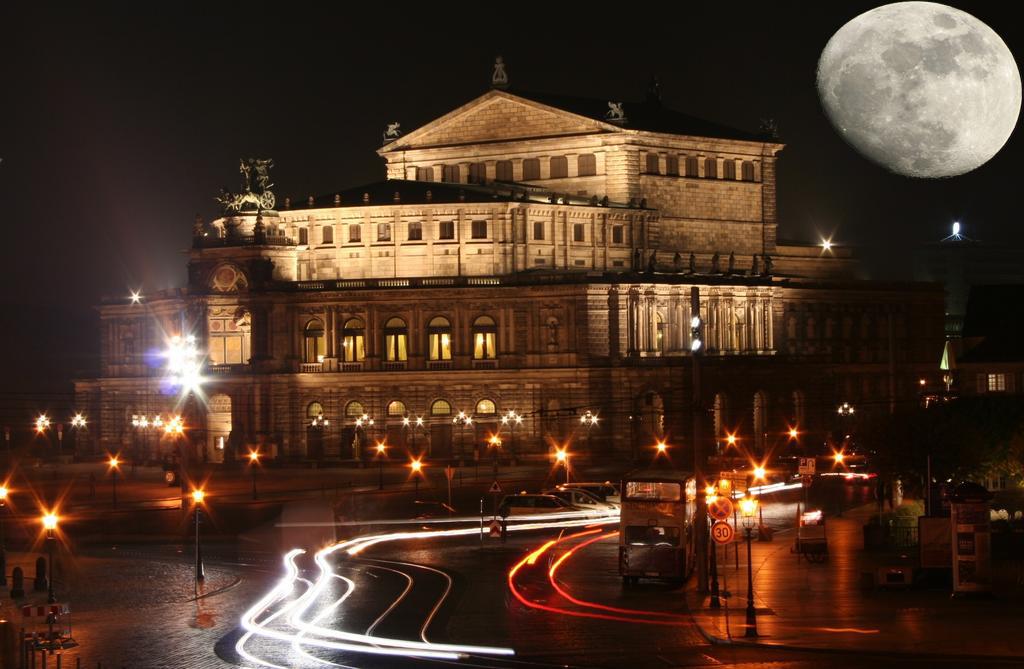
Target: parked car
x=606, y=492
x=525, y=504
x=583, y=499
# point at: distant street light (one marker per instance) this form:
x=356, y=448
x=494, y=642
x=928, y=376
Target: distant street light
x=760, y=473
x=254, y=461
x=50, y=525
x=381, y=454
x=748, y=508
x=3, y=555
x=512, y=419
x=113, y=464
x=660, y=449
x=416, y=467
x=562, y=458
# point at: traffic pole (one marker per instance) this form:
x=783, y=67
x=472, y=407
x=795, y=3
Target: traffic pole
x=701, y=511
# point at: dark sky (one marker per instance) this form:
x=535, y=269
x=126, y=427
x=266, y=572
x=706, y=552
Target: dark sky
x=118, y=126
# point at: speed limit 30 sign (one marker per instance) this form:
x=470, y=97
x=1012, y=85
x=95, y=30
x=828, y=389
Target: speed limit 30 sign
x=722, y=533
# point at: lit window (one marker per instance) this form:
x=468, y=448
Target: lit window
x=396, y=336
x=314, y=410
x=314, y=347
x=353, y=340
x=485, y=408
x=354, y=409
x=997, y=383
x=660, y=333
x=439, y=338
x=485, y=331
x=479, y=230
x=446, y=230
x=415, y=231
x=396, y=408
x=383, y=232
x=441, y=408
x=538, y=230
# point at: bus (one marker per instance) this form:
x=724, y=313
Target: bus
x=656, y=525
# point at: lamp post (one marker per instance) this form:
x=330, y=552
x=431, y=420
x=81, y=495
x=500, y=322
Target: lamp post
x=494, y=444
x=197, y=501
x=382, y=450
x=562, y=458
x=363, y=425
x=512, y=419
x=748, y=507
x=660, y=450
x=113, y=464
x=3, y=555
x=50, y=525
x=78, y=424
x=416, y=468
x=462, y=419
x=254, y=461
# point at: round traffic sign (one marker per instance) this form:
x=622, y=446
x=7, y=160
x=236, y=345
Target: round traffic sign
x=720, y=508
x=722, y=533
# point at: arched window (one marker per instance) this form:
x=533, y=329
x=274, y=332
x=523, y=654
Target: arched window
x=559, y=167
x=503, y=170
x=441, y=408
x=729, y=169
x=396, y=336
x=353, y=340
x=424, y=174
x=760, y=420
x=451, y=174
x=485, y=332
x=314, y=347
x=747, y=170
x=396, y=408
x=710, y=168
x=672, y=166
x=485, y=408
x=531, y=169
x=439, y=339
x=652, y=164
x=692, y=166
x=327, y=234
x=586, y=165
x=354, y=409
x=229, y=336
x=314, y=410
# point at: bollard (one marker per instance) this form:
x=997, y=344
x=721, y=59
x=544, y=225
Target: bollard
x=40, y=582
x=78, y=663
x=17, y=583
x=44, y=655
x=59, y=658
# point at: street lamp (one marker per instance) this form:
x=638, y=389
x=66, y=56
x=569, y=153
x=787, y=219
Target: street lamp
x=512, y=419
x=660, y=449
x=254, y=461
x=760, y=473
x=50, y=525
x=793, y=433
x=416, y=468
x=197, y=501
x=113, y=463
x=748, y=508
x=589, y=419
x=845, y=409
x=730, y=438
x=363, y=424
x=462, y=419
x=562, y=458
x=3, y=555
x=494, y=444
x=382, y=450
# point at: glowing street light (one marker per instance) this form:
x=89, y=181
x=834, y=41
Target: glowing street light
x=4, y=492
x=512, y=419
x=78, y=420
x=845, y=409
x=826, y=245
x=660, y=448
x=136, y=296
x=42, y=423
x=113, y=463
x=838, y=456
x=198, y=495
x=416, y=469
x=748, y=509
x=50, y=525
x=254, y=461
x=381, y=454
x=184, y=364
x=760, y=473
x=562, y=458
x=793, y=433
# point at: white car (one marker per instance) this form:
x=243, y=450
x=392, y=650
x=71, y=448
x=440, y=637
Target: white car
x=526, y=504
x=607, y=491
x=583, y=499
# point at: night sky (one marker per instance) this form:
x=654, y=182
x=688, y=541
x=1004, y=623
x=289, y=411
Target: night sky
x=118, y=127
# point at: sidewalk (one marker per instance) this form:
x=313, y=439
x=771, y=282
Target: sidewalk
x=828, y=606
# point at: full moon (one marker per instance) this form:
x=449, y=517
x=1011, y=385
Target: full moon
x=922, y=89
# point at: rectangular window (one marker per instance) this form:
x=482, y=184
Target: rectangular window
x=355, y=233
x=531, y=169
x=395, y=348
x=327, y=234
x=559, y=167
x=997, y=383
x=616, y=234
x=479, y=230
x=586, y=165
x=303, y=236
x=450, y=174
x=503, y=170
x=538, y=230
x=483, y=346
x=353, y=348
x=477, y=173
x=383, y=232
x=672, y=166
x=652, y=166
x=446, y=230
x=729, y=169
x=415, y=231
x=578, y=233
x=440, y=345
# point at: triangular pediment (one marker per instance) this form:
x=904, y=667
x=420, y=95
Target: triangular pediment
x=497, y=116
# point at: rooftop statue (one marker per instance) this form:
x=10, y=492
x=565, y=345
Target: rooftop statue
x=256, y=187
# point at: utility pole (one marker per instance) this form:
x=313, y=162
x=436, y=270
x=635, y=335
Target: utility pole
x=701, y=513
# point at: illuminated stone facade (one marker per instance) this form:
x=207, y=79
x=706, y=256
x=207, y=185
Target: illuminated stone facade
x=521, y=256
